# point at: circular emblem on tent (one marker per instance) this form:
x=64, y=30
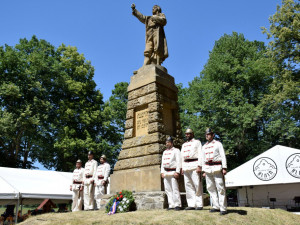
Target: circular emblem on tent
x=265, y=169
x=293, y=165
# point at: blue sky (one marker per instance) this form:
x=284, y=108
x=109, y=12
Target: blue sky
x=114, y=40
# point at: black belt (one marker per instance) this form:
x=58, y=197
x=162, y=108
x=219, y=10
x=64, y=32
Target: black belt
x=213, y=163
x=170, y=169
x=191, y=160
x=100, y=177
x=77, y=182
x=88, y=176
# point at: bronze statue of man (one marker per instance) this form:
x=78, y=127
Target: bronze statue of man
x=156, y=50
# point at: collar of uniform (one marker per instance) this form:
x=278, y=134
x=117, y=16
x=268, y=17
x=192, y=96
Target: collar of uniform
x=191, y=140
x=212, y=141
x=170, y=149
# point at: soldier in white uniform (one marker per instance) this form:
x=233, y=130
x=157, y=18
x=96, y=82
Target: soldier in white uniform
x=170, y=171
x=89, y=175
x=101, y=179
x=215, y=167
x=190, y=153
x=77, y=187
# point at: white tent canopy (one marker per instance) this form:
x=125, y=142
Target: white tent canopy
x=272, y=179
x=278, y=165
x=32, y=186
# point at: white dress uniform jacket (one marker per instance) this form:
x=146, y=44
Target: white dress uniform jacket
x=77, y=178
x=102, y=173
x=90, y=169
x=213, y=157
x=190, y=151
x=171, y=159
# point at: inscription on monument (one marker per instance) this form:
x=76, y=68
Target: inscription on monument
x=141, y=121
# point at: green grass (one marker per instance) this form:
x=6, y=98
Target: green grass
x=239, y=215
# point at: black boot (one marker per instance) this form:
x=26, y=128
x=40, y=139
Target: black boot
x=222, y=213
x=214, y=210
x=189, y=208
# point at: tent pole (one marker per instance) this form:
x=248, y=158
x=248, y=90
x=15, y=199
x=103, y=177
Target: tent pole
x=17, y=209
x=21, y=207
x=247, y=197
x=238, y=197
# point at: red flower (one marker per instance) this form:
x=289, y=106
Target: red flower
x=120, y=193
x=117, y=198
x=121, y=196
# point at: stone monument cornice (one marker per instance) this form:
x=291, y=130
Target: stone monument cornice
x=152, y=73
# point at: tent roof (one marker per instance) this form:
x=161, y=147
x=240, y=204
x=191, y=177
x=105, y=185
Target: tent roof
x=278, y=165
x=33, y=185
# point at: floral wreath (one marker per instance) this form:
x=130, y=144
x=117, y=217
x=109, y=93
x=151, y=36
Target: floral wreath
x=121, y=202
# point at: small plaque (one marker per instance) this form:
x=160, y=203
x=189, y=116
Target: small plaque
x=141, y=121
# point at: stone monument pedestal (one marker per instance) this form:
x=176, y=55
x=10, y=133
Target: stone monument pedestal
x=152, y=115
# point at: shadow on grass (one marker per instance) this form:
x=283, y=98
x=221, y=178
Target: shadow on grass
x=238, y=211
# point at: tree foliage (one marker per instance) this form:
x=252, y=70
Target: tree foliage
x=50, y=110
x=250, y=93
x=183, y=112
x=285, y=35
x=283, y=98
x=115, y=115
x=227, y=96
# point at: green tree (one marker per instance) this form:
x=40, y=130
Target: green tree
x=115, y=116
x=183, y=112
x=24, y=80
x=50, y=110
x=283, y=98
x=227, y=96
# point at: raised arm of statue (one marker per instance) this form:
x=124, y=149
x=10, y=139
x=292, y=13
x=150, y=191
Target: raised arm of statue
x=139, y=15
x=160, y=19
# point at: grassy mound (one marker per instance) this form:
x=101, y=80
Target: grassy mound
x=239, y=215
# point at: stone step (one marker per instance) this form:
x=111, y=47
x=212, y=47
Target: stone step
x=153, y=200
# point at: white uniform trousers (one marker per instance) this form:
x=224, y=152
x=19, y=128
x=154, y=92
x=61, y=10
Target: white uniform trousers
x=193, y=188
x=216, y=188
x=172, y=191
x=99, y=192
x=88, y=196
x=77, y=198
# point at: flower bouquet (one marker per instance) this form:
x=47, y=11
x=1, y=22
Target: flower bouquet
x=121, y=202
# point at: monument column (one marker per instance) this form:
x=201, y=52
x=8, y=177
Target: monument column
x=152, y=115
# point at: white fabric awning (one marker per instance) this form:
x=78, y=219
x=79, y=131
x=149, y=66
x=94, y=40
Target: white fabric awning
x=278, y=165
x=31, y=186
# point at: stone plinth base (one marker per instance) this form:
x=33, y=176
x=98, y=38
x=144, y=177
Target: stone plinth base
x=144, y=200
x=105, y=199
x=150, y=200
x=153, y=200
x=137, y=179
